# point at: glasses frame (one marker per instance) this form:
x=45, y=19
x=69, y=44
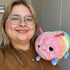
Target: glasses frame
x=21, y=18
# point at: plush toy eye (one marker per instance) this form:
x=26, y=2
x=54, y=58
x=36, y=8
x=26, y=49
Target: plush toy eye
x=38, y=46
x=50, y=48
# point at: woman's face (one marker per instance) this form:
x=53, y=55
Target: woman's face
x=22, y=31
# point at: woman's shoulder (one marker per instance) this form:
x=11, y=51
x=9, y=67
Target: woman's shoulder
x=1, y=52
x=1, y=55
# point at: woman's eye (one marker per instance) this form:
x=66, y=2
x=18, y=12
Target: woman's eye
x=28, y=19
x=14, y=18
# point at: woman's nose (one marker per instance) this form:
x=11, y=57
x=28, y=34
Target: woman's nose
x=22, y=22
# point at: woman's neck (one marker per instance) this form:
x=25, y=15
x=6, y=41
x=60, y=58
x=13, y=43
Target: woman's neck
x=21, y=46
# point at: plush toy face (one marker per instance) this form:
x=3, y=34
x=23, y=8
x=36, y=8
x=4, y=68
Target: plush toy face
x=47, y=46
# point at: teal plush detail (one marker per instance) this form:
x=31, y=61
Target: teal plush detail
x=55, y=61
x=66, y=55
x=38, y=58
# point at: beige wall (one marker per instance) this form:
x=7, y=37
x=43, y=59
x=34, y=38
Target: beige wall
x=5, y=2
x=51, y=15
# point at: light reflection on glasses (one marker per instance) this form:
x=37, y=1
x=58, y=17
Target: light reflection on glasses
x=17, y=19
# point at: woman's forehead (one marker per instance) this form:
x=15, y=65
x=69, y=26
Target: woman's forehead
x=21, y=10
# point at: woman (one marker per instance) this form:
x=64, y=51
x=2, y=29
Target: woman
x=18, y=33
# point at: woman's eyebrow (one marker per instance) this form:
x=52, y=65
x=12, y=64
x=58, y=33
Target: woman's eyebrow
x=14, y=15
x=19, y=15
x=29, y=15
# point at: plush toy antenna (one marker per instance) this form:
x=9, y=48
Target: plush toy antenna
x=40, y=29
x=62, y=34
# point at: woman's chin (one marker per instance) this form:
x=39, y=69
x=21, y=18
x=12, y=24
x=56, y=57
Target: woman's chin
x=22, y=39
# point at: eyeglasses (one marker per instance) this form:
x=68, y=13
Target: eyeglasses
x=17, y=19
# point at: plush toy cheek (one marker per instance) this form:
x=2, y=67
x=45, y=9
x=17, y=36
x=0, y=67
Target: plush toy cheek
x=49, y=55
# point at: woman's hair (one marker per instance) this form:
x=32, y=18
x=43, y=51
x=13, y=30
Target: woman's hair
x=3, y=35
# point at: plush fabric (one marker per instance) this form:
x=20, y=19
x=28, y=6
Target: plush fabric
x=52, y=46
x=47, y=41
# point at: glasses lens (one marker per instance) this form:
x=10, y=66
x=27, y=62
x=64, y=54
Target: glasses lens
x=28, y=20
x=14, y=19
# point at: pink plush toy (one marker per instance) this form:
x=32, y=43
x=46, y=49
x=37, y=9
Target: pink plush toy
x=50, y=45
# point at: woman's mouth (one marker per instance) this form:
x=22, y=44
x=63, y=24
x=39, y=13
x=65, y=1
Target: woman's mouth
x=22, y=31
